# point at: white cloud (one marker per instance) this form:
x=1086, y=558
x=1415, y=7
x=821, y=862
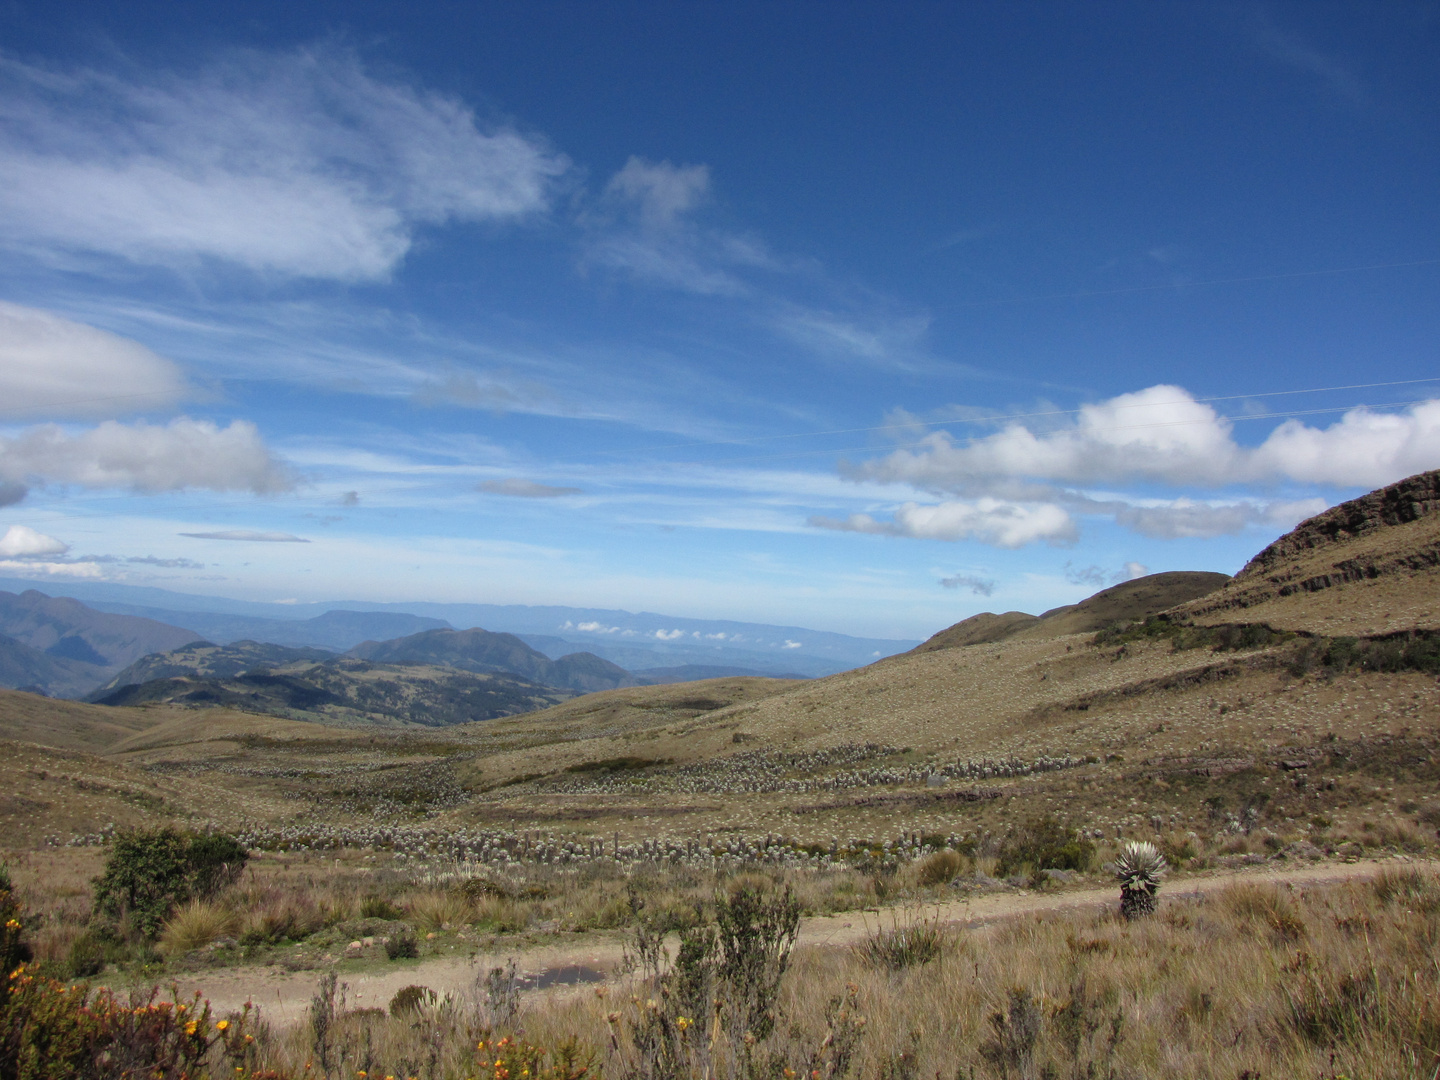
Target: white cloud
x=21, y=541
x=526, y=489
x=1162, y=434
x=52, y=366
x=592, y=628
x=144, y=457
x=791, y=644
x=53, y=569
x=669, y=635
x=988, y=520
x=1133, y=570
x=297, y=163
x=248, y=535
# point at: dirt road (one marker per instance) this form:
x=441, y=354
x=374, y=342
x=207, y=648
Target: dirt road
x=562, y=964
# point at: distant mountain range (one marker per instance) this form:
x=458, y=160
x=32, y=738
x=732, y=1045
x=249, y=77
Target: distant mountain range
x=634, y=641
x=63, y=648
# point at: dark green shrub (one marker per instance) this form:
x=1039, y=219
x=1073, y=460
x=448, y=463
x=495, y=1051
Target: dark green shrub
x=410, y=999
x=149, y=873
x=402, y=946
x=146, y=875
x=1044, y=844
x=87, y=956
x=216, y=863
x=377, y=907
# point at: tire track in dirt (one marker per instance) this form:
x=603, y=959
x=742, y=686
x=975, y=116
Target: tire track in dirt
x=566, y=966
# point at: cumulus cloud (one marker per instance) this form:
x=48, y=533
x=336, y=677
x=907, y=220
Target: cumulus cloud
x=1161, y=434
x=144, y=457
x=669, y=635
x=51, y=366
x=977, y=585
x=526, y=489
x=248, y=535
x=299, y=163
x=21, y=541
x=1133, y=570
x=792, y=644
x=988, y=520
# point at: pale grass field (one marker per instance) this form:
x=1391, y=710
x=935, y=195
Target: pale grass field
x=1244, y=982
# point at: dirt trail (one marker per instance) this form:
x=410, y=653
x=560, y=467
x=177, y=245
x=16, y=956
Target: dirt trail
x=566, y=965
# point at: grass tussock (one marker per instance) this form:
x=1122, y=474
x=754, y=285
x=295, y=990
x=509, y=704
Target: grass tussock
x=197, y=924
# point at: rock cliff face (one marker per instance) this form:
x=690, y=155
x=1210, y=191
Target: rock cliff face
x=1367, y=566
x=1399, y=504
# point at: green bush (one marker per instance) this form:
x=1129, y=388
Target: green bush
x=149, y=873
x=1044, y=844
x=216, y=863
x=402, y=946
x=87, y=956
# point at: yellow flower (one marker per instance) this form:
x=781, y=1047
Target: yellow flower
x=223, y=1025
x=13, y=924
x=190, y=1028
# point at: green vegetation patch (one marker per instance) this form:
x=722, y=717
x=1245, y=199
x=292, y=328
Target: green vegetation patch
x=618, y=764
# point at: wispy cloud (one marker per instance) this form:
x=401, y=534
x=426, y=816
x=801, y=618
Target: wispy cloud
x=298, y=164
x=248, y=535
x=644, y=226
x=977, y=585
x=1296, y=53
x=526, y=489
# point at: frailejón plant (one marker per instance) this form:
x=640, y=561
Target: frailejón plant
x=1139, y=870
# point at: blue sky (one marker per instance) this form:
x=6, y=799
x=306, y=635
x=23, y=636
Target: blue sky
x=859, y=317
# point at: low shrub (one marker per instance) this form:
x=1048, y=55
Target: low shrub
x=1044, y=844
x=402, y=946
x=53, y=1031
x=150, y=873
x=410, y=999
x=377, y=907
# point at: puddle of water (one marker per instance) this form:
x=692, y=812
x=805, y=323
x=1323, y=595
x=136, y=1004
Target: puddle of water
x=569, y=975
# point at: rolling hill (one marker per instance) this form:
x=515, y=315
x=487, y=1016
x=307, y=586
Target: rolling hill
x=351, y=692
x=203, y=660
x=483, y=651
